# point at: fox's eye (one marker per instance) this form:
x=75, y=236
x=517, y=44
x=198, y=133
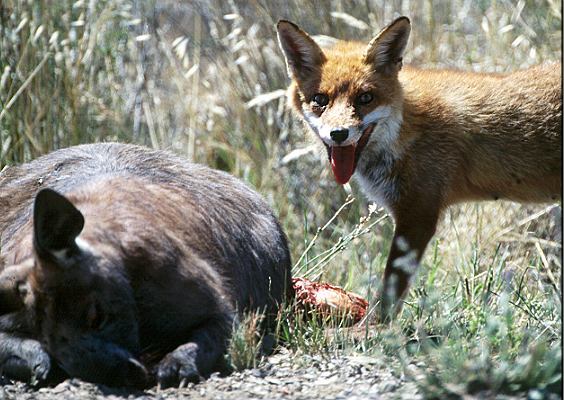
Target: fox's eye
x=321, y=99
x=365, y=98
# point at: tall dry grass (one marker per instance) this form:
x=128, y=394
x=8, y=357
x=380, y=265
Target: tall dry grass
x=206, y=79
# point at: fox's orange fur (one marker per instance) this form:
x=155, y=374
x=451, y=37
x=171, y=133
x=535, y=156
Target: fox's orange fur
x=425, y=139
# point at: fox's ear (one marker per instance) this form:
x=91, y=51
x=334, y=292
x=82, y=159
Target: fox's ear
x=56, y=225
x=303, y=55
x=385, y=51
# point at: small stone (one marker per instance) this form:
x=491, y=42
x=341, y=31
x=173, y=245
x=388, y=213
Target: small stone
x=387, y=387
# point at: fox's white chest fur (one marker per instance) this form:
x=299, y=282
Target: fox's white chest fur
x=373, y=174
x=374, y=169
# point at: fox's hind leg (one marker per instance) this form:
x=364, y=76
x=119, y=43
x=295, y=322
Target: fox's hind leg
x=198, y=357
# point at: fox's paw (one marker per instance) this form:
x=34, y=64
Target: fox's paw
x=179, y=367
x=30, y=364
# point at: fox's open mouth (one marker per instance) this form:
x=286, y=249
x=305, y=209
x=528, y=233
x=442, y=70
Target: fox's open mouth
x=343, y=159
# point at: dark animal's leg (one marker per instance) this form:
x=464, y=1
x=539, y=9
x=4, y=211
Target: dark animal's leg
x=198, y=357
x=23, y=359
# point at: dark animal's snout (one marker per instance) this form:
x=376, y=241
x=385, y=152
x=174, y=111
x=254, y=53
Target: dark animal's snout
x=340, y=135
x=103, y=362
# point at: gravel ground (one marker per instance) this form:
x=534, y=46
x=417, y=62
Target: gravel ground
x=279, y=377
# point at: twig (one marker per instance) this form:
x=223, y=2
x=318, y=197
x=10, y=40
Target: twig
x=24, y=85
x=347, y=202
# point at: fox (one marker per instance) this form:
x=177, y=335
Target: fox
x=419, y=140
x=127, y=266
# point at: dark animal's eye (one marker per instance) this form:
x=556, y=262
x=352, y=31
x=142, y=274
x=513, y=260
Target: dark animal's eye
x=365, y=98
x=95, y=316
x=321, y=99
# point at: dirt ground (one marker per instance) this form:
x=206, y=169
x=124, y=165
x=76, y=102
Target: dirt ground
x=279, y=377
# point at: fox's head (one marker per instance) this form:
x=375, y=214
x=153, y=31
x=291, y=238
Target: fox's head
x=349, y=94
x=82, y=306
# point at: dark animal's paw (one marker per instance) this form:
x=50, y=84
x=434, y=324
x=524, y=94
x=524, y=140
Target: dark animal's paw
x=40, y=367
x=179, y=367
x=31, y=364
x=38, y=360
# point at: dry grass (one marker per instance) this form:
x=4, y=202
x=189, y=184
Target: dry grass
x=206, y=79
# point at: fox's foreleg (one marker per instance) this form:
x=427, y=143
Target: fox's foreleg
x=413, y=232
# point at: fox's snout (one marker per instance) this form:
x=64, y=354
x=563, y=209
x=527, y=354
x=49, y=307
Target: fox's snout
x=339, y=135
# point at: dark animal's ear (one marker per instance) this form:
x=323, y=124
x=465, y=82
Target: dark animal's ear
x=56, y=224
x=385, y=51
x=303, y=55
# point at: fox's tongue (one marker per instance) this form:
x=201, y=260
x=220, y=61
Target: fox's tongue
x=342, y=162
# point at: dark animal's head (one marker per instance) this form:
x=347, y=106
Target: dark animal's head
x=82, y=302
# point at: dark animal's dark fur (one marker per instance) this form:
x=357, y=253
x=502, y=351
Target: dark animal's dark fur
x=169, y=255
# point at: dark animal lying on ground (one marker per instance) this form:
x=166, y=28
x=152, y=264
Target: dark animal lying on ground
x=113, y=254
